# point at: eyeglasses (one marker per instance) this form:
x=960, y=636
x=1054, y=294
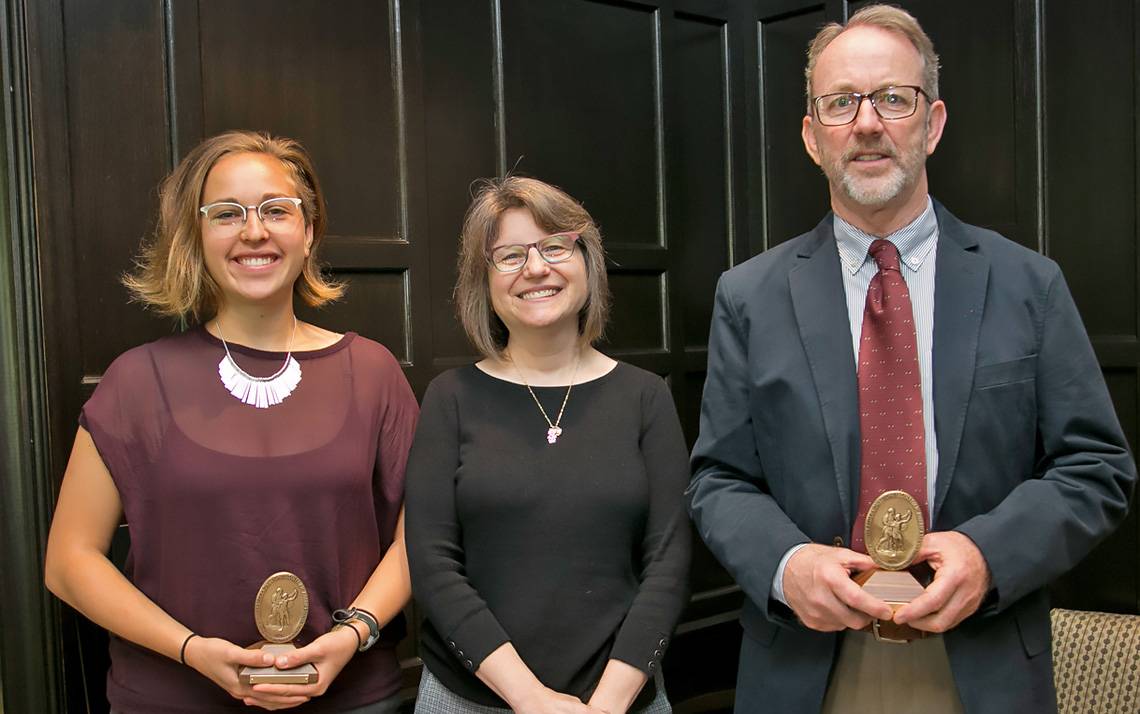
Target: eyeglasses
x=556, y=248
x=889, y=102
x=276, y=214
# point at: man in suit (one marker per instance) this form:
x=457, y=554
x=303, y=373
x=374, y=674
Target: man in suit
x=1008, y=439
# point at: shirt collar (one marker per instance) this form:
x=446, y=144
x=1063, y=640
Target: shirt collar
x=914, y=240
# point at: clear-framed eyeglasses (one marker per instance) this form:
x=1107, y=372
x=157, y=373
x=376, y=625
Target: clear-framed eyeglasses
x=276, y=214
x=557, y=248
x=890, y=103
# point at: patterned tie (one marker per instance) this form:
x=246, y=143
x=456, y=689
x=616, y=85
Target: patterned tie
x=890, y=392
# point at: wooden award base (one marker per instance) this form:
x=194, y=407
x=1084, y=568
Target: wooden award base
x=305, y=674
x=896, y=588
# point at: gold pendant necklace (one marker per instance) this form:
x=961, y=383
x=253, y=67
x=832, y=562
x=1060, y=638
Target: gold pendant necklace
x=554, y=431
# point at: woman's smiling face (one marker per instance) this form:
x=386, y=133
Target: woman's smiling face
x=541, y=295
x=258, y=260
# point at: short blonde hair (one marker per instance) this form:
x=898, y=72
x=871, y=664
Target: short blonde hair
x=886, y=17
x=554, y=211
x=171, y=276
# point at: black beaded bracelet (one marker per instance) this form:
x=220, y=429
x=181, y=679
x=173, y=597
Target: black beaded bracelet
x=182, y=652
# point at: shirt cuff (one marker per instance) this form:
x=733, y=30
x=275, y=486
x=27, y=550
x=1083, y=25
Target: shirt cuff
x=778, y=581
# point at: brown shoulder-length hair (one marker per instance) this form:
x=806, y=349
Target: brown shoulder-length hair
x=554, y=211
x=171, y=276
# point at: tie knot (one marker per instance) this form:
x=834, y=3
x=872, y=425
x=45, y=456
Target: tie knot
x=885, y=254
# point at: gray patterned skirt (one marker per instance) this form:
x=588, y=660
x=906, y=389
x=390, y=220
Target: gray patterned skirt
x=434, y=698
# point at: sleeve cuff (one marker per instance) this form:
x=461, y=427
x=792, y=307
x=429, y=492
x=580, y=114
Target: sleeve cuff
x=477, y=637
x=778, y=581
x=643, y=651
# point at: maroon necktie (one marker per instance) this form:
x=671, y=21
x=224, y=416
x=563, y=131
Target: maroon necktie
x=890, y=392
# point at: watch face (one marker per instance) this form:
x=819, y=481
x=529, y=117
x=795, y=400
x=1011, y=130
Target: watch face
x=344, y=616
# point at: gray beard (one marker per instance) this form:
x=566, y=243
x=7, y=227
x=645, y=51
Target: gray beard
x=874, y=192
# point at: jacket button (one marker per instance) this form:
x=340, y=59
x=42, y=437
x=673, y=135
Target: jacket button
x=451, y=644
x=469, y=664
x=837, y=541
x=663, y=642
x=657, y=653
x=652, y=665
x=459, y=653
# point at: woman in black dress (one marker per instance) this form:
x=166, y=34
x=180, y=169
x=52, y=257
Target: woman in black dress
x=548, y=542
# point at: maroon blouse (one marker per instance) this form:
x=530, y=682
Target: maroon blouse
x=218, y=495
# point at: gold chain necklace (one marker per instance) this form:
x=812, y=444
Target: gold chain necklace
x=554, y=431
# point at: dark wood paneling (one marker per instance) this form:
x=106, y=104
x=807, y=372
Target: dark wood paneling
x=1091, y=159
x=701, y=185
x=638, y=317
x=795, y=191
x=31, y=676
x=459, y=123
x=581, y=107
x=115, y=78
x=375, y=306
x=289, y=80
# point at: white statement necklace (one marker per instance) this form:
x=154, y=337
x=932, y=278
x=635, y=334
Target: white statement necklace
x=260, y=392
x=554, y=431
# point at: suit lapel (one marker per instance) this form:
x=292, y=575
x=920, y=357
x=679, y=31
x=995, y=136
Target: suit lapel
x=820, y=306
x=960, y=280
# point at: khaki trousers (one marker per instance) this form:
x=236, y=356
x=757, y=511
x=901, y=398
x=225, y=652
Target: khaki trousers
x=873, y=677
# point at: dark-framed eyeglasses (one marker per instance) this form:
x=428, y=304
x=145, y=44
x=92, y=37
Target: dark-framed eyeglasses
x=279, y=213
x=890, y=103
x=557, y=248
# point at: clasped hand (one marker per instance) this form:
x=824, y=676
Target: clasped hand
x=220, y=660
x=549, y=701
x=819, y=589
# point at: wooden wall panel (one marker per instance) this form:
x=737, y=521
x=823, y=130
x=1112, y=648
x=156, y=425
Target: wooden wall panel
x=376, y=305
x=459, y=124
x=1091, y=159
x=795, y=195
x=289, y=80
x=702, y=184
x=638, y=317
x=114, y=62
x=581, y=106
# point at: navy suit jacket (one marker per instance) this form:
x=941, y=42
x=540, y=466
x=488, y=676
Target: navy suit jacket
x=1033, y=466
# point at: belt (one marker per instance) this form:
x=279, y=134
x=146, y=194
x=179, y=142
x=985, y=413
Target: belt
x=894, y=633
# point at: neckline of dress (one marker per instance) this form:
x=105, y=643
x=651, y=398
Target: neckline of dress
x=593, y=380
x=344, y=341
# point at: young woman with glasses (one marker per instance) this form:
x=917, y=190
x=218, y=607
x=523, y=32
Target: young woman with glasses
x=547, y=540
x=249, y=444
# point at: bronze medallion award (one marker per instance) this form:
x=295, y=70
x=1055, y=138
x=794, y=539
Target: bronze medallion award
x=893, y=534
x=280, y=611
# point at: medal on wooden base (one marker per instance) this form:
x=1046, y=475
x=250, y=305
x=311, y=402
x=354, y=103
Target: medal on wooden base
x=280, y=611
x=893, y=533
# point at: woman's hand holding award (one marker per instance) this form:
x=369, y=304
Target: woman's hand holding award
x=280, y=610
